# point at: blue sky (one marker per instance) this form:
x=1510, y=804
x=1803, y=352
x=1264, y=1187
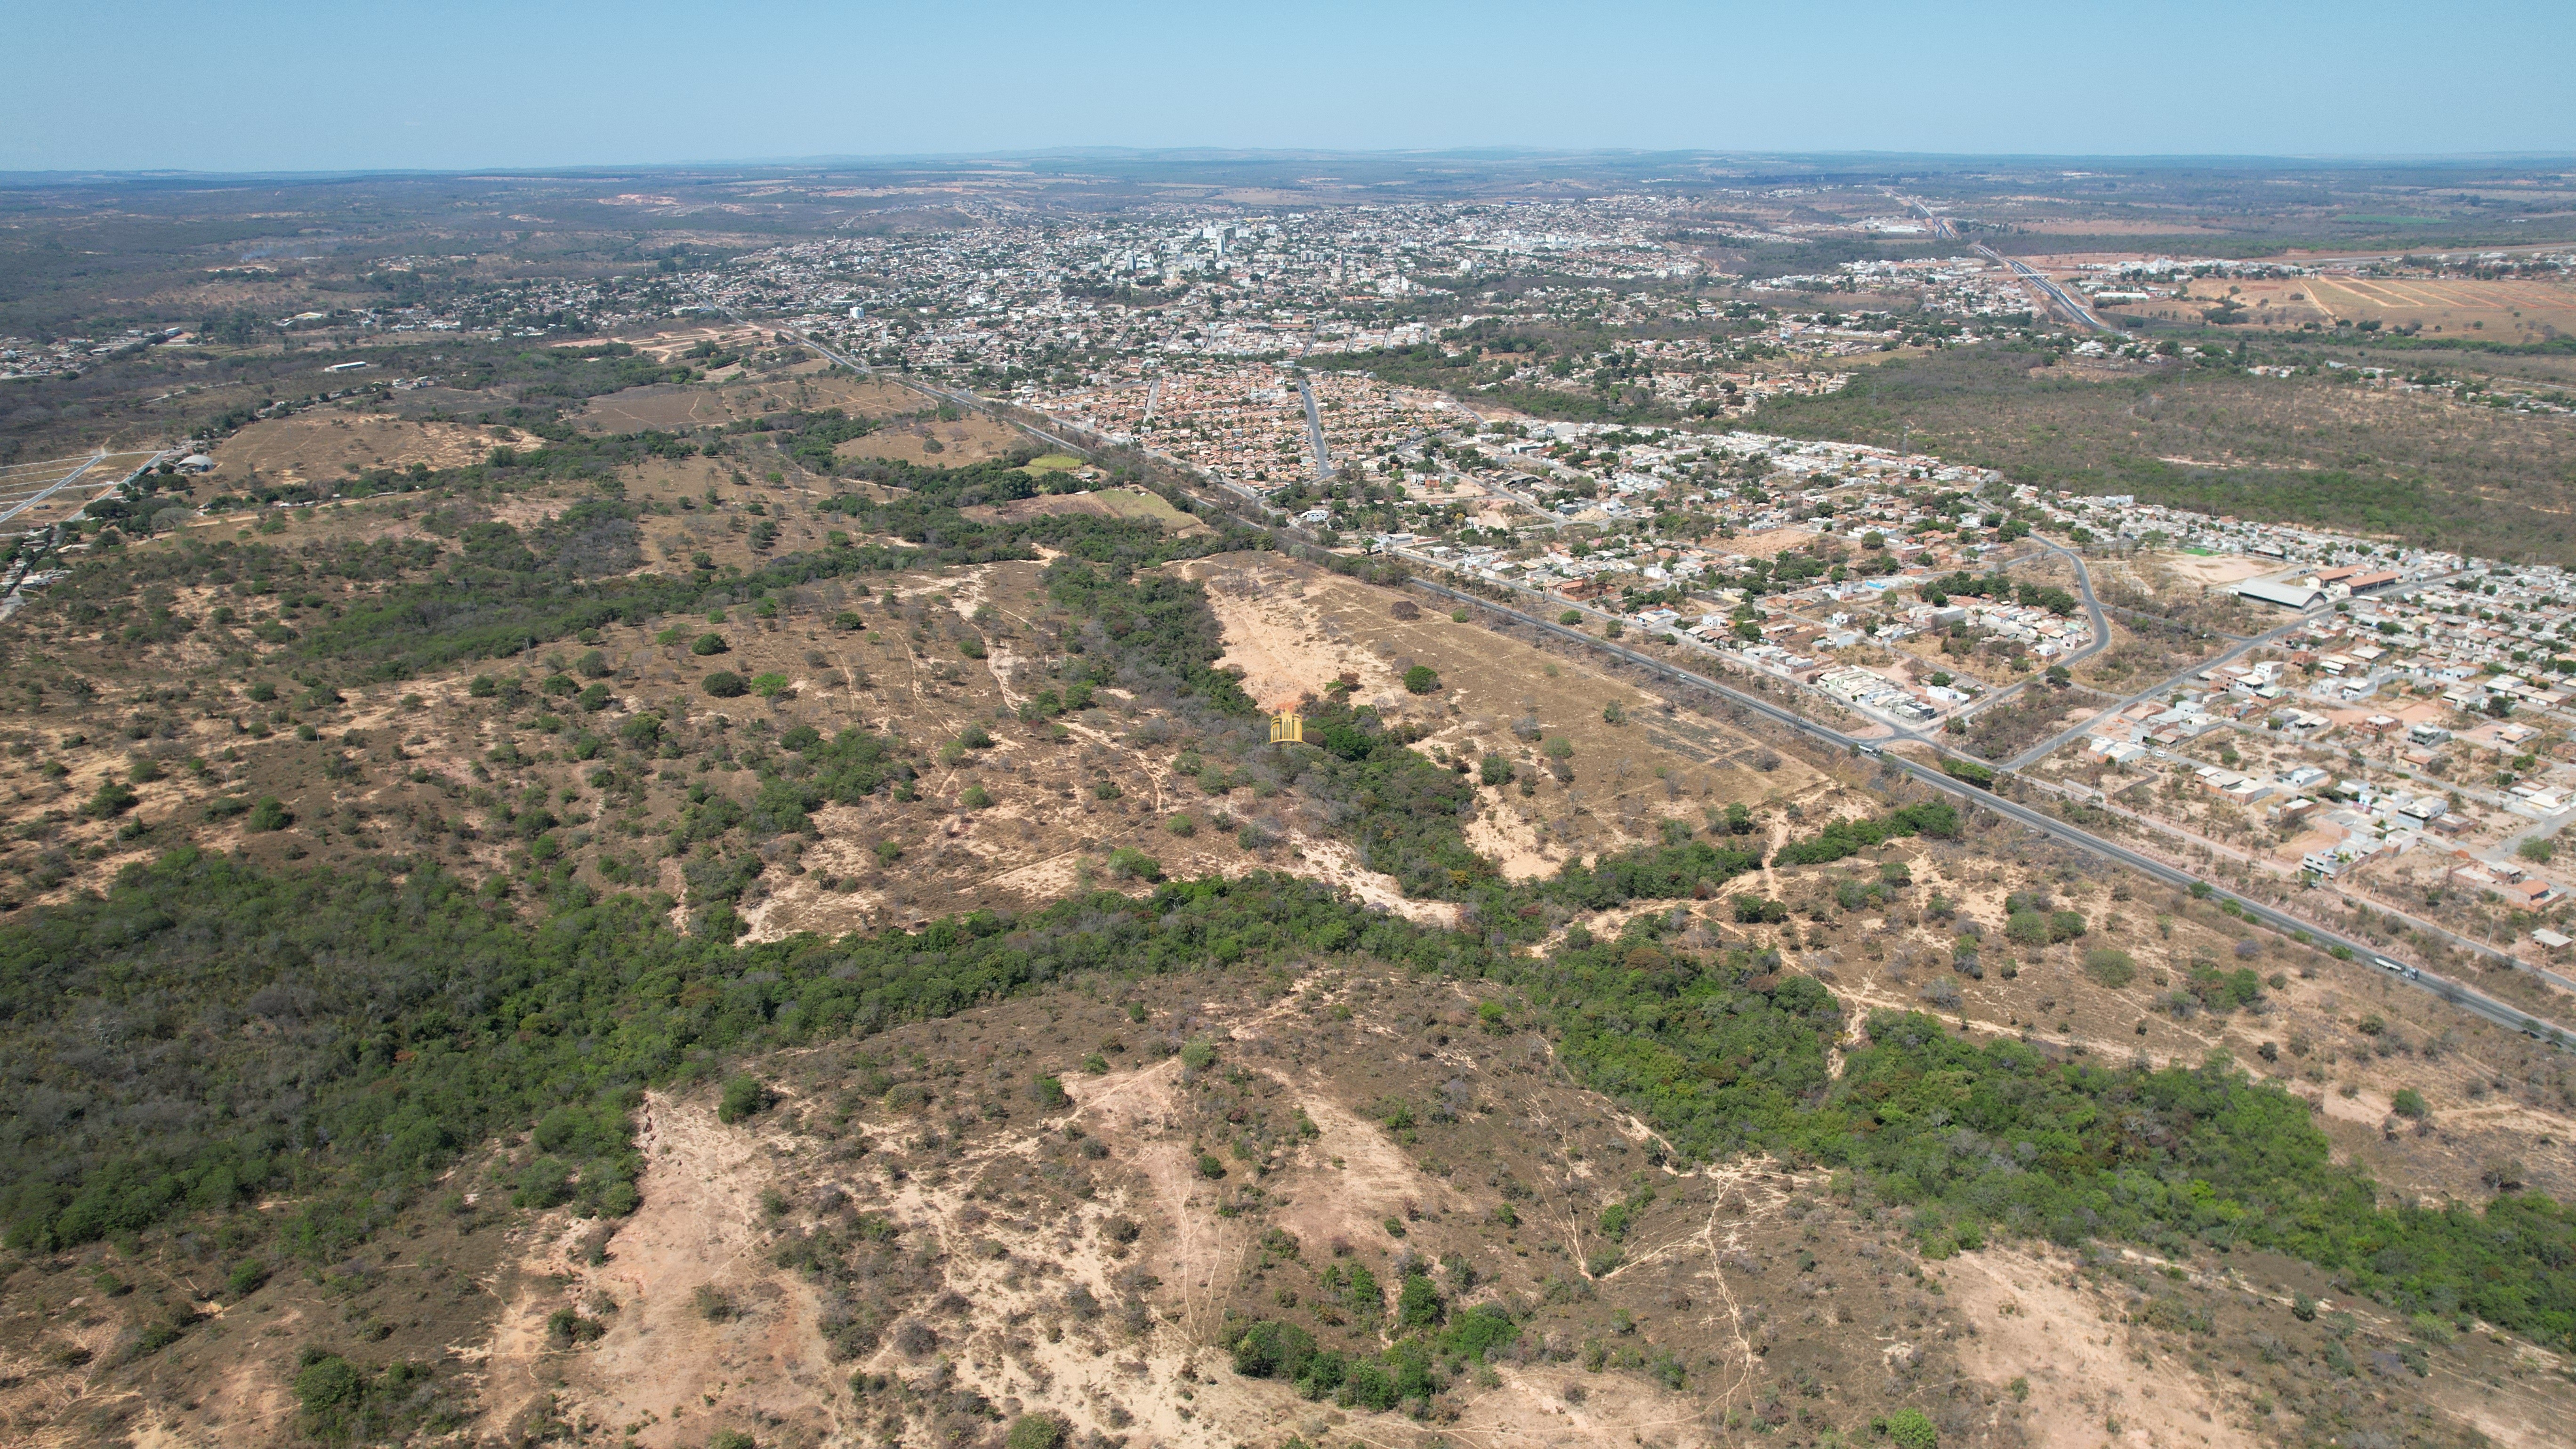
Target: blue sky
x=218, y=86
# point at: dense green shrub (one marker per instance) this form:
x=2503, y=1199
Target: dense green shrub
x=1129, y=863
x=1909, y=1429
x=2110, y=967
x=343, y=1402
x=743, y=1097
x=1969, y=771
x=1938, y=819
x=1758, y=910
x=419, y=1019
x=1274, y=1350
x=1418, y=1304
x=1036, y=1431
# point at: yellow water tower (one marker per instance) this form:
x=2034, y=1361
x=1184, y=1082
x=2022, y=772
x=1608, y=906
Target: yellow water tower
x=1287, y=728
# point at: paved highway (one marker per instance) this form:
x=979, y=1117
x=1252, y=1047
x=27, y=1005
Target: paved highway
x=2473, y=1001
x=1940, y=225
x=2051, y=290
x=1314, y=428
x=57, y=486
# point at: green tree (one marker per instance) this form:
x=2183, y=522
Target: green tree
x=2110, y=967
x=744, y=1096
x=1418, y=1304
x=1909, y=1429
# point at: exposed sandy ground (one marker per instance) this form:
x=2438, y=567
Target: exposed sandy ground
x=2086, y=1367
x=2218, y=568
x=661, y=1357
x=2508, y=1411
x=1775, y=541
x=1533, y=1408
x=1334, y=861
x=1365, y=1180
x=1292, y=628
x=1502, y=837
x=667, y=343
x=1284, y=647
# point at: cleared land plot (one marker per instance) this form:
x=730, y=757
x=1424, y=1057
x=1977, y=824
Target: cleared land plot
x=671, y=406
x=2511, y=311
x=971, y=439
x=35, y=494
x=317, y=447
x=2217, y=569
x=670, y=344
x=2268, y=301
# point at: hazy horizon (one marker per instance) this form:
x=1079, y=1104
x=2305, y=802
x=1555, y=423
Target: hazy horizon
x=286, y=88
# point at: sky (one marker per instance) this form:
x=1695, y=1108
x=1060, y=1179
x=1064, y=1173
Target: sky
x=270, y=85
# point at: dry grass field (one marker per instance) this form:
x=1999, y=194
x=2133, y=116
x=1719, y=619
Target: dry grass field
x=932, y=443
x=326, y=445
x=670, y=406
x=1104, y=503
x=2507, y=311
